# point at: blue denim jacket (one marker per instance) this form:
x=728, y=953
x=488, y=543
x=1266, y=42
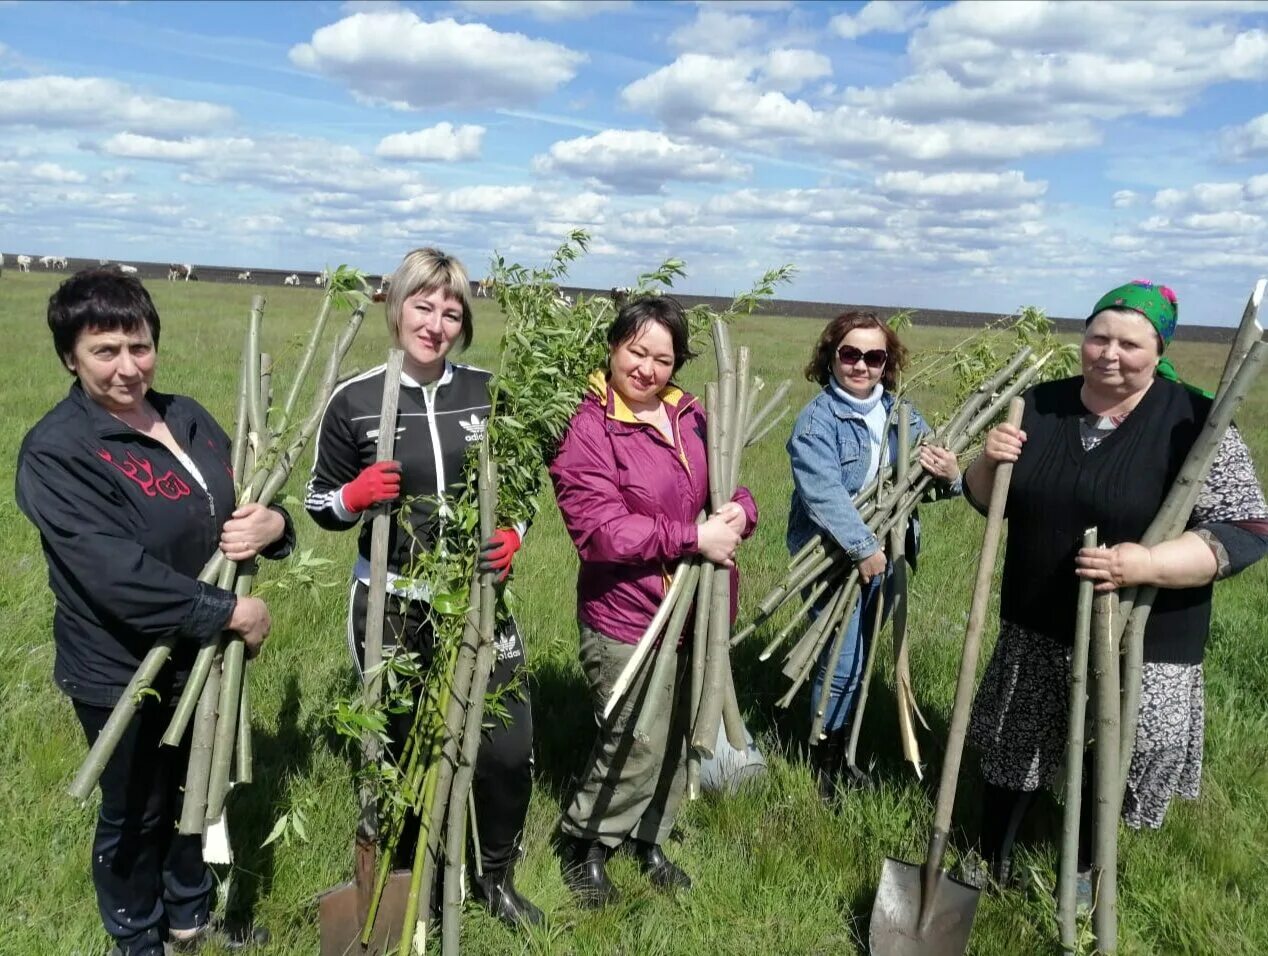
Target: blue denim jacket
x=830, y=452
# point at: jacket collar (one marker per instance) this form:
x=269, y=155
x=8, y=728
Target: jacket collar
x=445, y=378
x=106, y=425
x=614, y=406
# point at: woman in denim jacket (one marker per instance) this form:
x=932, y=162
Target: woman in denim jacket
x=834, y=450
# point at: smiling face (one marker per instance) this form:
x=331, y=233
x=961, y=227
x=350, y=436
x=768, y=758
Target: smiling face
x=431, y=321
x=1120, y=352
x=115, y=368
x=859, y=378
x=641, y=366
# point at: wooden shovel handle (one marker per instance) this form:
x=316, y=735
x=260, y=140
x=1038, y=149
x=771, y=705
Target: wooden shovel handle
x=973, y=641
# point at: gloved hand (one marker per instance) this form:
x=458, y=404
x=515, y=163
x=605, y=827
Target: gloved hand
x=376, y=483
x=496, y=553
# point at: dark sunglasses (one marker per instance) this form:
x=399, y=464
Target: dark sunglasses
x=875, y=358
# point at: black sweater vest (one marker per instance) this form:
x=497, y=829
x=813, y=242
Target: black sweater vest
x=1058, y=490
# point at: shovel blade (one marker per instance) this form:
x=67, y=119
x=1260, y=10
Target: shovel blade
x=340, y=920
x=897, y=928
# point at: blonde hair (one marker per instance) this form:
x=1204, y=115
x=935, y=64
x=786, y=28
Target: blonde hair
x=426, y=270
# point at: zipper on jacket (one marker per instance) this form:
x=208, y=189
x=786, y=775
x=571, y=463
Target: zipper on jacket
x=429, y=400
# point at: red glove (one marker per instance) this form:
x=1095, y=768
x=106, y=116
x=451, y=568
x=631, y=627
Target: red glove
x=376, y=483
x=496, y=553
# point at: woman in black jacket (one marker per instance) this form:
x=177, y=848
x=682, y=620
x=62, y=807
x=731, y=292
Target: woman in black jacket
x=443, y=409
x=132, y=492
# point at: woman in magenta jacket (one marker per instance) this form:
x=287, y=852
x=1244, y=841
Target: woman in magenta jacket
x=631, y=479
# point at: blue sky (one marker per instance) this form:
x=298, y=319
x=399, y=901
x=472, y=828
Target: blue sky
x=977, y=155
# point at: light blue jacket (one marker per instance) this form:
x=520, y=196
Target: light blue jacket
x=830, y=452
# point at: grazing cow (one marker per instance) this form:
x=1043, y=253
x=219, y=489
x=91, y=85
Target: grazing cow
x=24, y=263
x=485, y=287
x=127, y=270
x=180, y=271
x=321, y=278
x=48, y=261
x=292, y=279
x=245, y=276
x=60, y=261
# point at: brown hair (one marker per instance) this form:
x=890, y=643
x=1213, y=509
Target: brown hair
x=820, y=368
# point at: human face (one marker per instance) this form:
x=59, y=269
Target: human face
x=641, y=365
x=114, y=368
x=430, y=324
x=859, y=378
x=1120, y=352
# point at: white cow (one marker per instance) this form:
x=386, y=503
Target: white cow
x=292, y=279
x=60, y=261
x=24, y=263
x=48, y=261
x=179, y=270
x=127, y=270
x=321, y=278
x=103, y=262
x=245, y=276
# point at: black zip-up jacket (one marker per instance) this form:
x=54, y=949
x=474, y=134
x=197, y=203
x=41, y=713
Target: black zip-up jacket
x=126, y=530
x=435, y=427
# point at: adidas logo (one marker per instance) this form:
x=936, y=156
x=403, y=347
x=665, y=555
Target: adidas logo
x=474, y=427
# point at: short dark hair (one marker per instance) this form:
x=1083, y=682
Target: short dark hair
x=820, y=367
x=664, y=310
x=101, y=299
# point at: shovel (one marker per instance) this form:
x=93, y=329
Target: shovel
x=920, y=908
x=344, y=909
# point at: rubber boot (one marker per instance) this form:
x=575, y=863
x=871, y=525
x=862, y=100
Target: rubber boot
x=496, y=890
x=585, y=873
x=659, y=869
x=827, y=758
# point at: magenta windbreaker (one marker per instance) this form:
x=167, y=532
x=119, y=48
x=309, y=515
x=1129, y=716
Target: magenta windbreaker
x=630, y=501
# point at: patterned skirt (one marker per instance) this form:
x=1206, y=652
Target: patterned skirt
x=1020, y=716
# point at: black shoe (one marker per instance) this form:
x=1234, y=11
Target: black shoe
x=227, y=936
x=496, y=890
x=585, y=873
x=826, y=758
x=659, y=869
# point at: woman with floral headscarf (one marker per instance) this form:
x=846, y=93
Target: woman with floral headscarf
x=1101, y=450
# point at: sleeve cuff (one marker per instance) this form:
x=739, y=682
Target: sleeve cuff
x=284, y=545
x=210, y=613
x=341, y=510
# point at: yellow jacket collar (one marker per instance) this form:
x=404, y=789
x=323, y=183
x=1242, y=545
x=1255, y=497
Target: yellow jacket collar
x=615, y=406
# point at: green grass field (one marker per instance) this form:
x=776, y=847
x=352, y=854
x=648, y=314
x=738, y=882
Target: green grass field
x=775, y=872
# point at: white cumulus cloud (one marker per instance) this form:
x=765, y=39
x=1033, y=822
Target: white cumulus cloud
x=546, y=10
x=68, y=102
x=1248, y=141
x=878, y=16
x=443, y=142
x=399, y=59
x=638, y=161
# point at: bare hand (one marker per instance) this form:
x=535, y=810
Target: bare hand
x=940, y=462
x=734, y=515
x=1124, y=565
x=1003, y=443
x=717, y=540
x=874, y=564
x=249, y=530
x=251, y=621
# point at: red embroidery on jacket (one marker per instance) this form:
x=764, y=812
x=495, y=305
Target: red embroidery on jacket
x=170, y=485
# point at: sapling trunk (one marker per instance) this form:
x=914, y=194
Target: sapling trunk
x=1248, y=333
x=306, y=359
x=1067, y=870
x=709, y=717
x=232, y=671
x=193, y=817
x=732, y=719
x=842, y=610
x=666, y=663
x=486, y=657
x=736, y=422
x=812, y=642
x=762, y=420
x=251, y=374
x=676, y=591
x=903, y=693
x=238, y=455
x=1108, y=803
x=699, y=651
x=860, y=706
x=799, y=615
x=266, y=397
x=243, y=753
